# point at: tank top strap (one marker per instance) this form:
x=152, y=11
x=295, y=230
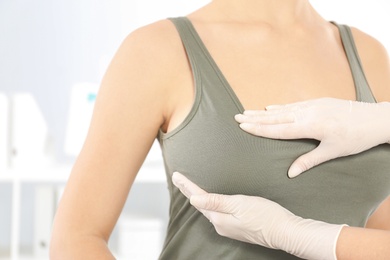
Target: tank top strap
x=209, y=80
x=363, y=91
x=189, y=40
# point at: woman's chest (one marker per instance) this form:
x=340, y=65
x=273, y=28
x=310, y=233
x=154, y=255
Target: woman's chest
x=282, y=69
x=280, y=78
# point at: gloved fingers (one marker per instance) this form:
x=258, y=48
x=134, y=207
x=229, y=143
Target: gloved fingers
x=279, y=131
x=277, y=108
x=187, y=187
x=218, y=219
x=215, y=202
x=307, y=104
x=311, y=159
x=291, y=106
x=226, y=225
x=254, y=112
x=266, y=118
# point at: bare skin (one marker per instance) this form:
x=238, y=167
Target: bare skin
x=261, y=47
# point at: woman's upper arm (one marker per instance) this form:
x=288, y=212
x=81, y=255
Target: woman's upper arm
x=380, y=219
x=130, y=108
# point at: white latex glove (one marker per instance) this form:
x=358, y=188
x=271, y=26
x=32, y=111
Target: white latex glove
x=260, y=221
x=343, y=127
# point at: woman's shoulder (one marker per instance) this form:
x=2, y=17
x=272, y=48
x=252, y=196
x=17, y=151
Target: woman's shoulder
x=158, y=40
x=368, y=46
x=151, y=62
x=158, y=49
x=152, y=54
x=375, y=61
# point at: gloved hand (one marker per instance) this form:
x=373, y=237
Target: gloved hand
x=343, y=127
x=260, y=221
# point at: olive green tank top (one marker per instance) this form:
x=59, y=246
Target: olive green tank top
x=211, y=150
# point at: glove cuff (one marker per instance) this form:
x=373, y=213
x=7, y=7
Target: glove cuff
x=311, y=239
x=386, y=109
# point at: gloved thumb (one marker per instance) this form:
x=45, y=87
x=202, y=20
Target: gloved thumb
x=309, y=160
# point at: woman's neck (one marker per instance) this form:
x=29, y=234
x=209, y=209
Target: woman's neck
x=273, y=12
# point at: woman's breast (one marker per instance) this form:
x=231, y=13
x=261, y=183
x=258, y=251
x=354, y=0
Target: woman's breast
x=221, y=158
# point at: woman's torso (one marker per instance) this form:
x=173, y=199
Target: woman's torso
x=205, y=143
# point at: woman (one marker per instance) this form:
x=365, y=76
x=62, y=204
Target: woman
x=184, y=80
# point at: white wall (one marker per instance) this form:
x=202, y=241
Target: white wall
x=371, y=17
x=46, y=46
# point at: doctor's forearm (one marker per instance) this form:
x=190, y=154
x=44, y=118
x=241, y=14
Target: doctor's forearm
x=361, y=243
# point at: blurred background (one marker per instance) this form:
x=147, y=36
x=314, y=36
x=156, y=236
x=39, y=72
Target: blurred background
x=53, y=55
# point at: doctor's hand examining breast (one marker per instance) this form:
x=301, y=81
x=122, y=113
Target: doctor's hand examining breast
x=260, y=221
x=343, y=127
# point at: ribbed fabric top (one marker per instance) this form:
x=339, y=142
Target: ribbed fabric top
x=211, y=150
